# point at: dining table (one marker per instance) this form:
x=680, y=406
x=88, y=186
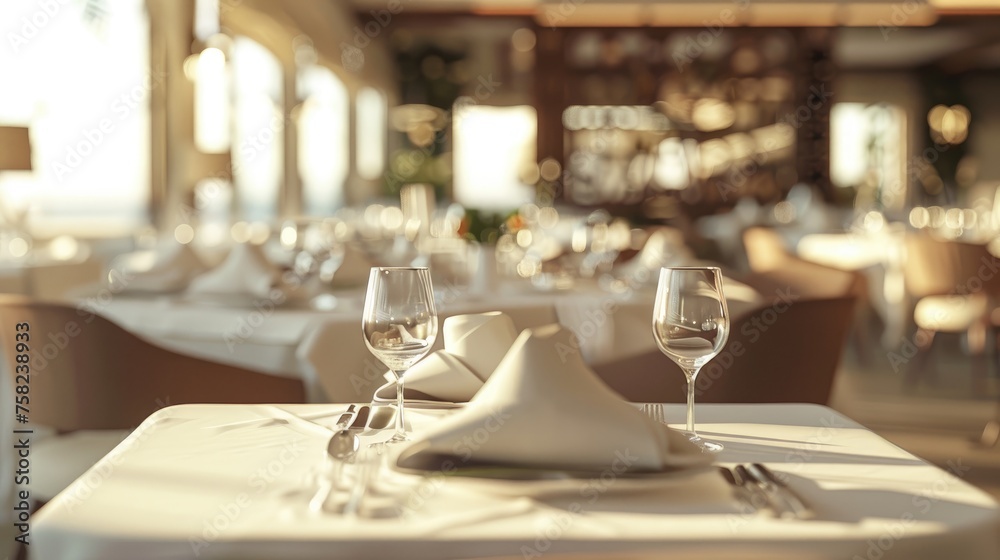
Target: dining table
x=233, y=481
x=316, y=340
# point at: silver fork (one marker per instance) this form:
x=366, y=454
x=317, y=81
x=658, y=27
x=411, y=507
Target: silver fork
x=654, y=412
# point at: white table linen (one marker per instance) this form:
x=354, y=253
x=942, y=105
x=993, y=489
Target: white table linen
x=227, y=481
x=295, y=341
x=879, y=256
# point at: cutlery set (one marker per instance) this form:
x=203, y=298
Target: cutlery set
x=342, y=449
x=756, y=486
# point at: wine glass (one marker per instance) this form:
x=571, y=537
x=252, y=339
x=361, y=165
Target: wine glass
x=400, y=323
x=691, y=325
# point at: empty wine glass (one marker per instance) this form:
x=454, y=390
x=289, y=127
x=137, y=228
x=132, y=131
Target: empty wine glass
x=400, y=323
x=691, y=325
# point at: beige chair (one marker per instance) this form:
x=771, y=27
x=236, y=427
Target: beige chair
x=773, y=267
x=952, y=292
x=774, y=354
x=92, y=382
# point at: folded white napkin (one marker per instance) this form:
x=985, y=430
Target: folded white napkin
x=544, y=409
x=473, y=347
x=169, y=267
x=353, y=271
x=246, y=271
x=664, y=247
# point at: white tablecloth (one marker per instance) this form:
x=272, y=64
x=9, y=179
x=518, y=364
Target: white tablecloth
x=45, y=278
x=308, y=343
x=879, y=256
x=191, y=484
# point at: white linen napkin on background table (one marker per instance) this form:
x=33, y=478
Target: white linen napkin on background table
x=169, y=267
x=353, y=270
x=245, y=271
x=544, y=409
x=474, y=345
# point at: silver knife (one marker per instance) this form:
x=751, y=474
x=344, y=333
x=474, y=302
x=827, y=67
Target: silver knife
x=776, y=495
x=801, y=510
x=757, y=493
x=742, y=494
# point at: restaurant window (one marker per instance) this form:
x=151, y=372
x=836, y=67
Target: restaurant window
x=868, y=149
x=371, y=110
x=323, y=139
x=80, y=80
x=258, y=149
x=493, y=145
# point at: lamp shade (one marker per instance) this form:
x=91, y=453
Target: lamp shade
x=15, y=149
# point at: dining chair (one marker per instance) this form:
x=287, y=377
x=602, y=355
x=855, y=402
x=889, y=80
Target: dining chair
x=92, y=382
x=773, y=266
x=776, y=353
x=952, y=289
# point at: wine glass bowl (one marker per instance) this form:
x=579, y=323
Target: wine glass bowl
x=400, y=323
x=691, y=326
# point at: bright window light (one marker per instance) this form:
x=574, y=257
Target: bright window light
x=867, y=146
x=258, y=154
x=492, y=144
x=83, y=88
x=848, y=148
x=206, y=18
x=324, y=139
x=371, y=132
x=671, y=171
x=211, y=103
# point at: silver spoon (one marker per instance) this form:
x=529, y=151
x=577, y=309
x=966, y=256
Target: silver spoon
x=343, y=446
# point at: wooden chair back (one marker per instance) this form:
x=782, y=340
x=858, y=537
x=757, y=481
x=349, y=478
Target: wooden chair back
x=778, y=353
x=88, y=373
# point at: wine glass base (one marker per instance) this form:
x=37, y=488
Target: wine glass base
x=398, y=438
x=705, y=445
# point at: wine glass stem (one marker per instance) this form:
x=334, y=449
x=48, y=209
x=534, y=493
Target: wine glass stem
x=690, y=374
x=400, y=423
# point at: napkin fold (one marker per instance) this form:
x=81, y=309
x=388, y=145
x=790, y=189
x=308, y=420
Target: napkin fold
x=473, y=347
x=544, y=409
x=664, y=247
x=169, y=267
x=353, y=270
x=245, y=271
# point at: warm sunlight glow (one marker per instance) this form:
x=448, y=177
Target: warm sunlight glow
x=491, y=144
x=371, y=130
x=258, y=154
x=211, y=102
x=84, y=91
x=324, y=139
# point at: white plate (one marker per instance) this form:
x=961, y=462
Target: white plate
x=412, y=403
x=513, y=482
